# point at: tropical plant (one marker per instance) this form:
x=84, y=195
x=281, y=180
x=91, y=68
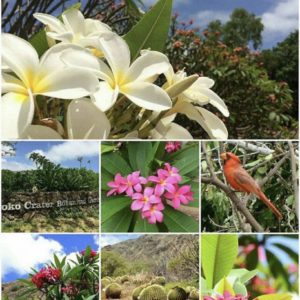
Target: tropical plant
x=129, y=180
x=66, y=279
x=221, y=280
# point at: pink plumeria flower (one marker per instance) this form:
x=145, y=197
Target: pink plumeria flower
x=172, y=146
x=180, y=195
x=144, y=200
x=163, y=182
x=118, y=185
x=170, y=171
x=154, y=214
x=134, y=183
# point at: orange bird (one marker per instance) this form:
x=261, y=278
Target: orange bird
x=242, y=181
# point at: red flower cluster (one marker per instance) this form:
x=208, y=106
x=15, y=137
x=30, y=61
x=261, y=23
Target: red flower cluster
x=172, y=146
x=92, y=254
x=47, y=275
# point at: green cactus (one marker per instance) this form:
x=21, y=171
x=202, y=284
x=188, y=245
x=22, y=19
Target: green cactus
x=153, y=292
x=159, y=280
x=105, y=282
x=194, y=294
x=177, y=293
x=113, y=291
x=137, y=291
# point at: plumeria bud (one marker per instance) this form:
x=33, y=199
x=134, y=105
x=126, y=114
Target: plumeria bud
x=180, y=86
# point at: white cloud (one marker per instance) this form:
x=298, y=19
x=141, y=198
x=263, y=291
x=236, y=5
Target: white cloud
x=21, y=252
x=16, y=166
x=206, y=16
x=282, y=19
x=96, y=239
x=110, y=240
x=70, y=150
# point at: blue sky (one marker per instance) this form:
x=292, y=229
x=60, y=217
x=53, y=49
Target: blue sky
x=64, y=153
x=20, y=252
x=280, y=17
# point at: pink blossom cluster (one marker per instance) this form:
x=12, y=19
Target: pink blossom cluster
x=47, y=275
x=226, y=296
x=172, y=146
x=93, y=253
x=149, y=195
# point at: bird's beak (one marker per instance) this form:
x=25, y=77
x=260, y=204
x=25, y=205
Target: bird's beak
x=224, y=156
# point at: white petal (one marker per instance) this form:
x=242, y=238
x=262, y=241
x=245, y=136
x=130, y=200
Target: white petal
x=74, y=20
x=172, y=131
x=83, y=59
x=86, y=121
x=216, y=128
x=116, y=52
x=204, y=82
x=105, y=97
x=51, y=60
x=148, y=66
x=40, y=132
x=65, y=37
x=147, y=95
x=170, y=76
x=17, y=113
x=94, y=27
x=215, y=100
x=52, y=22
x=12, y=84
x=20, y=57
x=210, y=122
x=69, y=83
x=181, y=86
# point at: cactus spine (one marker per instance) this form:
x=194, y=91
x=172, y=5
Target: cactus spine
x=159, y=280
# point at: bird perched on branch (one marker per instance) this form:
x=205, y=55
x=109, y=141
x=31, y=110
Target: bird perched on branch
x=241, y=180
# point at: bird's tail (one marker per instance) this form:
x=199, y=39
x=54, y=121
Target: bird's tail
x=268, y=202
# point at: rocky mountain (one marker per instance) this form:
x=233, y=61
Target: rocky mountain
x=155, y=246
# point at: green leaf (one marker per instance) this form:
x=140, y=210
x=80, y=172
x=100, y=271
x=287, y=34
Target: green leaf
x=113, y=205
x=74, y=271
x=243, y=275
x=39, y=40
x=275, y=297
x=57, y=262
x=142, y=225
x=177, y=221
x=224, y=285
x=119, y=222
x=105, y=148
x=140, y=156
x=26, y=281
x=252, y=259
x=106, y=177
x=113, y=163
x=152, y=30
x=218, y=255
x=132, y=9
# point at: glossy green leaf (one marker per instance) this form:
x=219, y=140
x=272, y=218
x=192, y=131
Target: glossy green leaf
x=113, y=163
x=105, y=178
x=142, y=225
x=119, y=222
x=105, y=148
x=293, y=255
x=240, y=289
x=152, y=30
x=218, y=255
x=177, y=221
x=113, y=205
x=140, y=156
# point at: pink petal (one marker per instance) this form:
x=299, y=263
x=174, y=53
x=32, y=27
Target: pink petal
x=138, y=188
x=184, y=189
x=148, y=191
x=153, y=178
x=159, y=190
x=159, y=216
x=136, y=205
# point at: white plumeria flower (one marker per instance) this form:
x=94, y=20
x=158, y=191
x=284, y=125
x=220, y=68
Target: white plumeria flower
x=135, y=81
x=84, y=121
x=74, y=28
x=30, y=76
x=199, y=93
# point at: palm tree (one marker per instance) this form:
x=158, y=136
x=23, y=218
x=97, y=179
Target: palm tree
x=80, y=159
